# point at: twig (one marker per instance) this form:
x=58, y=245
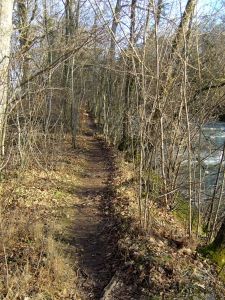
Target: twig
x=4, y=251
x=108, y=289
x=100, y=231
x=221, y=269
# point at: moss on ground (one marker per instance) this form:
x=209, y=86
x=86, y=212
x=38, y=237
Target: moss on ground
x=216, y=255
x=181, y=211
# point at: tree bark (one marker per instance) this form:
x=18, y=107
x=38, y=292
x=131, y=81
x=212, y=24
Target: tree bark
x=129, y=76
x=114, y=27
x=181, y=36
x=24, y=18
x=219, y=241
x=6, y=8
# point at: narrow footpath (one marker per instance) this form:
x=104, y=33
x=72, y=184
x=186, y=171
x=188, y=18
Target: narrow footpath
x=114, y=263
x=93, y=228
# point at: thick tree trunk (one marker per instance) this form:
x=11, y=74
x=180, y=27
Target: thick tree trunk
x=180, y=37
x=219, y=241
x=113, y=29
x=6, y=8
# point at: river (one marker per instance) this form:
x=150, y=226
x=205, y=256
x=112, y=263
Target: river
x=208, y=158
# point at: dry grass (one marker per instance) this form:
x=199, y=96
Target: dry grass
x=36, y=200
x=161, y=260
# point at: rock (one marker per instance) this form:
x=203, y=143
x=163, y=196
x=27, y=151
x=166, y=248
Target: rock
x=179, y=242
x=209, y=297
x=186, y=251
x=128, y=263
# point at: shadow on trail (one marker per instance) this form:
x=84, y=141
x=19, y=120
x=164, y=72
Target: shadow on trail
x=93, y=229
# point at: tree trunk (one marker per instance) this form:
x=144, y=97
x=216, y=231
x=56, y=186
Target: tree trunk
x=181, y=36
x=129, y=76
x=113, y=29
x=6, y=8
x=24, y=25
x=219, y=241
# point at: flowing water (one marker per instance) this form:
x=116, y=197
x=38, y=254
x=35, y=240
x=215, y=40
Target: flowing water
x=211, y=156
x=207, y=160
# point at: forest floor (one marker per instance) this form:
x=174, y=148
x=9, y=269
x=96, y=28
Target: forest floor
x=70, y=230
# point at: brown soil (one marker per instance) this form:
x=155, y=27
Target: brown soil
x=140, y=265
x=93, y=228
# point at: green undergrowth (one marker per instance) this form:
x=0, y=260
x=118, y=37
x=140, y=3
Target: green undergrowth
x=215, y=254
x=151, y=184
x=181, y=211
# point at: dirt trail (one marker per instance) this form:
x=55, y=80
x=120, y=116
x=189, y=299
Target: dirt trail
x=93, y=229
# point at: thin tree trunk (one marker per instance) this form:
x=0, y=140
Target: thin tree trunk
x=214, y=195
x=184, y=94
x=219, y=201
x=50, y=39
x=129, y=76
